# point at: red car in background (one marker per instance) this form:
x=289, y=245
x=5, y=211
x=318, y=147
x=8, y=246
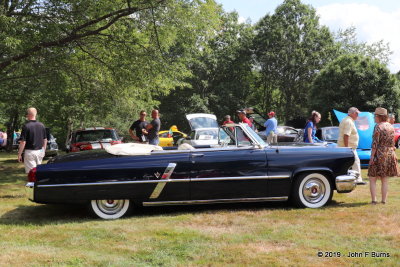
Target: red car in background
x=396, y=127
x=92, y=138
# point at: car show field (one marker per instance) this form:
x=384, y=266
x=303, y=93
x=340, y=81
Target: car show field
x=256, y=234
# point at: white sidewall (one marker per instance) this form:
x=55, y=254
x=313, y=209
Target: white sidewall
x=328, y=190
x=106, y=216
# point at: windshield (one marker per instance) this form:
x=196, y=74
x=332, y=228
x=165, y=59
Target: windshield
x=203, y=122
x=255, y=135
x=331, y=134
x=236, y=136
x=97, y=135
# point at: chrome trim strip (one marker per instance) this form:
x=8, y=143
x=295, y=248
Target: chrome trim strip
x=239, y=178
x=214, y=201
x=184, y=180
x=165, y=177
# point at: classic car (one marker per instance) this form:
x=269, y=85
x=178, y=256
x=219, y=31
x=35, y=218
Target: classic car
x=396, y=127
x=204, y=130
x=52, y=146
x=328, y=134
x=241, y=168
x=92, y=138
x=170, y=137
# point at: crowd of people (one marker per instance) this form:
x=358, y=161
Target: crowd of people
x=383, y=161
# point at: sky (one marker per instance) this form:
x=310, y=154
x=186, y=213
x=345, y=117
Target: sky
x=374, y=20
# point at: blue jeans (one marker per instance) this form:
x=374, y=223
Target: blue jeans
x=154, y=141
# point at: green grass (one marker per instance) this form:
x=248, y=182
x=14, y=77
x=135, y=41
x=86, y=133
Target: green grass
x=260, y=234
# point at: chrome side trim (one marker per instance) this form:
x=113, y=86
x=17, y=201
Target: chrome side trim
x=185, y=180
x=239, y=178
x=214, y=201
x=165, y=177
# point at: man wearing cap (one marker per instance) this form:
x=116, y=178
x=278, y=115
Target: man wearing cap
x=243, y=119
x=271, y=128
x=348, y=137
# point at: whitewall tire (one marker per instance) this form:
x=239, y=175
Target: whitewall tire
x=110, y=209
x=312, y=190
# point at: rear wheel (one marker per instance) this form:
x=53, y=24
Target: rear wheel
x=312, y=190
x=109, y=209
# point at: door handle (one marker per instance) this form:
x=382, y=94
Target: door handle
x=197, y=155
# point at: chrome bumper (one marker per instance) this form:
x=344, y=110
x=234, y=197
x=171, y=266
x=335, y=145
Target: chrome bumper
x=346, y=183
x=29, y=189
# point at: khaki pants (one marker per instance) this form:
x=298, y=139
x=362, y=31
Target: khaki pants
x=272, y=138
x=32, y=158
x=356, y=165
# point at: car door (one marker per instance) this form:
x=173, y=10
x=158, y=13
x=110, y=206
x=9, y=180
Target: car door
x=232, y=172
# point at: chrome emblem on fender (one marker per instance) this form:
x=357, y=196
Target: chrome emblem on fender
x=164, y=179
x=157, y=175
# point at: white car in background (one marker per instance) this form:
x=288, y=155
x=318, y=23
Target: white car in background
x=204, y=130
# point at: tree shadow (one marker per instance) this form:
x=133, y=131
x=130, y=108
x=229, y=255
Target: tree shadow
x=45, y=215
x=58, y=214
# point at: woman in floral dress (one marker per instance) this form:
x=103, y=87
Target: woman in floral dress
x=383, y=162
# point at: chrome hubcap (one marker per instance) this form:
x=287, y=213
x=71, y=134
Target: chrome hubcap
x=110, y=206
x=314, y=190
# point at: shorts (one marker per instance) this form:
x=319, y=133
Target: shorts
x=32, y=158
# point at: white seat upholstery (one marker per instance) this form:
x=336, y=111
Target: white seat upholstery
x=132, y=149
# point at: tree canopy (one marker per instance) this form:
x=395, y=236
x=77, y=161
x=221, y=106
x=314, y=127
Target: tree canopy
x=98, y=63
x=354, y=80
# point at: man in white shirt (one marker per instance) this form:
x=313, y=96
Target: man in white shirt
x=348, y=137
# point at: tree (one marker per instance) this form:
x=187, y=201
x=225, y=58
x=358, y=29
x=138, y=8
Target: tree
x=290, y=48
x=348, y=44
x=83, y=62
x=353, y=80
x=222, y=74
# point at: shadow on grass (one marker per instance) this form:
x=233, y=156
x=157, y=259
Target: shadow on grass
x=45, y=215
x=56, y=214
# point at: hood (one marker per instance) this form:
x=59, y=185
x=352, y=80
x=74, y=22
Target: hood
x=202, y=120
x=365, y=125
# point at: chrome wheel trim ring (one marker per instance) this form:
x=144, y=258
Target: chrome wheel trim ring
x=313, y=190
x=110, y=206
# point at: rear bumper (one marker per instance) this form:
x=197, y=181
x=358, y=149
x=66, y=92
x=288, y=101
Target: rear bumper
x=29, y=190
x=346, y=183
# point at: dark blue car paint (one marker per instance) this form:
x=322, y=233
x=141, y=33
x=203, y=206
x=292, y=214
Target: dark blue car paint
x=200, y=174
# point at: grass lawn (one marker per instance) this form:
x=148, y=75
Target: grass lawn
x=261, y=234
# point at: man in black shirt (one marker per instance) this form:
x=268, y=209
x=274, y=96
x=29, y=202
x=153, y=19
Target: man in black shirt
x=138, y=126
x=33, y=140
x=153, y=128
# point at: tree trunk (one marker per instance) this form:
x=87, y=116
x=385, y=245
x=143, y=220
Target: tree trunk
x=12, y=125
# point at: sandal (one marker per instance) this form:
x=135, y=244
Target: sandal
x=374, y=202
x=383, y=202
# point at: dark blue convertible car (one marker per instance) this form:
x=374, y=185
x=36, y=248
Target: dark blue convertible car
x=241, y=168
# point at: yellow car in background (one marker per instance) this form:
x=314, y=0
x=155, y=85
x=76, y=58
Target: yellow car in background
x=167, y=137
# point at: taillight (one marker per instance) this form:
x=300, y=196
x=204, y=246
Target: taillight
x=32, y=175
x=86, y=147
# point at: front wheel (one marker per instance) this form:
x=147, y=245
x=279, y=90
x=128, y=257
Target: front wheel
x=109, y=209
x=312, y=190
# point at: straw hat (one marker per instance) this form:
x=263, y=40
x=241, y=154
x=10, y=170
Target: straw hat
x=381, y=111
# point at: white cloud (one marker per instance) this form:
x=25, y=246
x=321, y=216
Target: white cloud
x=371, y=23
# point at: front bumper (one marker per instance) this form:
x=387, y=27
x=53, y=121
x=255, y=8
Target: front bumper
x=346, y=183
x=29, y=190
